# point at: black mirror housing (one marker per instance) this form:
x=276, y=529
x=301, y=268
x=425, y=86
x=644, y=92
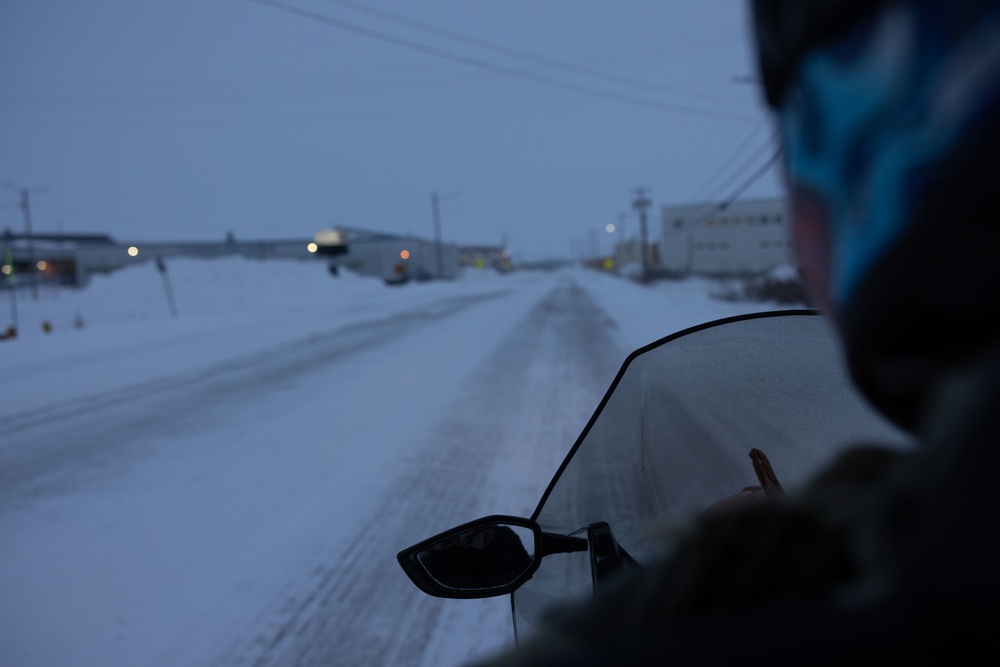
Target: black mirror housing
x=484, y=558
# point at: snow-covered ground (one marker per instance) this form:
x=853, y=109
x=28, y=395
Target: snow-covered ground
x=230, y=486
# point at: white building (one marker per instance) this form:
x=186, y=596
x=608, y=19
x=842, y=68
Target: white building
x=744, y=238
x=399, y=259
x=395, y=259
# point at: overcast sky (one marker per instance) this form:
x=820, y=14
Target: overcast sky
x=534, y=120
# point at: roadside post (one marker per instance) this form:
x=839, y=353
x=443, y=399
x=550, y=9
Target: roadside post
x=8, y=269
x=161, y=266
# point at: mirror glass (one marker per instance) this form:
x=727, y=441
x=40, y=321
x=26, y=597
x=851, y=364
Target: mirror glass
x=482, y=557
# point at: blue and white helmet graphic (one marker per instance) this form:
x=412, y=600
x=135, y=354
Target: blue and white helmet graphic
x=889, y=115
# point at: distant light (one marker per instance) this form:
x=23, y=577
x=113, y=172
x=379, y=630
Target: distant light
x=42, y=265
x=7, y=269
x=312, y=247
x=505, y=254
x=610, y=228
x=133, y=251
x=405, y=254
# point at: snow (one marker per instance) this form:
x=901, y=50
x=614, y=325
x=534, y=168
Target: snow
x=198, y=480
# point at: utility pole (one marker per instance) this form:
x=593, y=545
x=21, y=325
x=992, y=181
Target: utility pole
x=640, y=204
x=8, y=265
x=437, y=234
x=26, y=209
x=435, y=208
x=161, y=266
x=623, y=252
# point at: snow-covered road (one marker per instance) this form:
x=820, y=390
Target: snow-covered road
x=502, y=436
x=231, y=487
x=248, y=510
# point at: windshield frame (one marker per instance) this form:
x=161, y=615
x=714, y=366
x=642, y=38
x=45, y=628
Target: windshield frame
x=807, y=312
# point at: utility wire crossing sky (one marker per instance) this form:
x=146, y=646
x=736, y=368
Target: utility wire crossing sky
x=274, y=118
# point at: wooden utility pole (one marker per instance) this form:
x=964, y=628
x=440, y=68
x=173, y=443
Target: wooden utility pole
x=26, y=209
x=437, y=234
x=436, y=209
x=161, y=266
x=8, y=265
x=640, y=204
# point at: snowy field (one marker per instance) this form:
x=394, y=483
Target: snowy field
x=230, y=486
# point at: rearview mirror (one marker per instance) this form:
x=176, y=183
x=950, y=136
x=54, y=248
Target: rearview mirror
x=483, y=558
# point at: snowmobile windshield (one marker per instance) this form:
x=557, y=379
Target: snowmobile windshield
x=673, y=434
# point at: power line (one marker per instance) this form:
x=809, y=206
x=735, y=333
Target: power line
x=718, y=183
x=283, y=120
x=493, y=67
x=229, y=89
x=753, y=178
x=544, y=61
x=366, y=74
x=702, y=215
x=164, y=93
x=146, y=96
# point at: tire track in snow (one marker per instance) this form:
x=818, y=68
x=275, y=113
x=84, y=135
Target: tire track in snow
x=520, y=413
x=58, y=448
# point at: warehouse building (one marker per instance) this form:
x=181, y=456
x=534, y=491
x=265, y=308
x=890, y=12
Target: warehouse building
x=70, y=259
x=743, y=238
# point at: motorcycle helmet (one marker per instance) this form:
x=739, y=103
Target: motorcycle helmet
x=889, y=117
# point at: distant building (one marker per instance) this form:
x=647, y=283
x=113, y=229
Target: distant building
x=397, y=259
x=61, y=259
x=744, y=238
x=70, y=259
x=627, y=255
x=486, y=256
